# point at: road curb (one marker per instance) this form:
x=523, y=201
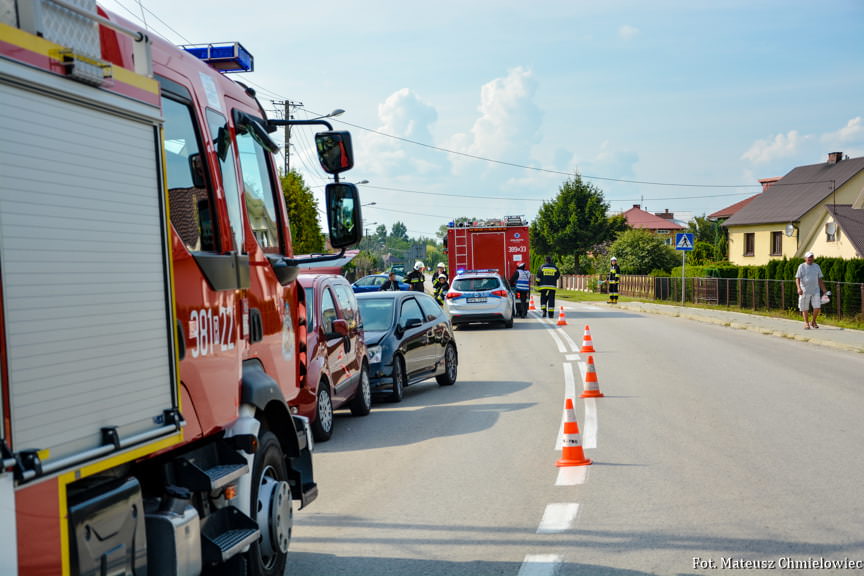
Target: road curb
x=678, y=312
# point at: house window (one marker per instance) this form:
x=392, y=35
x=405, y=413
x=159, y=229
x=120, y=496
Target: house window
x=831, y=232
x=749, y=243
x=776, y=243
x=662, y=231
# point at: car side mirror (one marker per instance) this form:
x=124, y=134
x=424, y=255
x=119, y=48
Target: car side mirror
x=340, y=327
x=413, y=323
x=335, y=152
x=344, y=219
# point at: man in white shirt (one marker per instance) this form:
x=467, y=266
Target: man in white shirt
x=810, y=284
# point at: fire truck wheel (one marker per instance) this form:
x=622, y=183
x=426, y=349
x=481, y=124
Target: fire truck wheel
x=272, y=508
x=398, y=379
x=448, y=378
x=322, y=426
x=361, y=404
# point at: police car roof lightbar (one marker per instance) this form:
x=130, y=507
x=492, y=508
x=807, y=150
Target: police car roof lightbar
x=224, y=56
x=481, y=271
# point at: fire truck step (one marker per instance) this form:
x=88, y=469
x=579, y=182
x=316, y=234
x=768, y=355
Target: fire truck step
x=200, y=476
x=227, y=533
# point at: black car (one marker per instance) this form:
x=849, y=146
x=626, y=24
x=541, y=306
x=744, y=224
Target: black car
x=408, y=339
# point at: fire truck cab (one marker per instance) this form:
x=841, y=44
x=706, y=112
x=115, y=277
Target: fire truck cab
x=151, y=329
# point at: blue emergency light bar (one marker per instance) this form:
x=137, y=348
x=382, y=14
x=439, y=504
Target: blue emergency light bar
x=461, y=271
x=224, y=57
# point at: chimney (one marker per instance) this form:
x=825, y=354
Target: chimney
x=665, y=215
x=768, y=182
x=834, y=157
x=637, y=206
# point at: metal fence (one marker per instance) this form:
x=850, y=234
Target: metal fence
x=846, y=300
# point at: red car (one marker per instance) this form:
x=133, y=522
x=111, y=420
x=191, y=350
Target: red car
x=337, y=374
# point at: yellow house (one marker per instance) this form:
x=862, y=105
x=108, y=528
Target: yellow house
x=793, y=215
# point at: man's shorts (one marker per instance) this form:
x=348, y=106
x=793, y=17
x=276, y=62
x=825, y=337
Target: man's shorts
x=807, y=300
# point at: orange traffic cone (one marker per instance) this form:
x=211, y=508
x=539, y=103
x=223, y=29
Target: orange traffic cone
x=592, y=386
x=531, y=304
x=571, y=448
x=587, y=343
x=562, y=319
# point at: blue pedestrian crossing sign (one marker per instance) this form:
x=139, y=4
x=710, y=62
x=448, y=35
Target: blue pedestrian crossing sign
x=684, y=241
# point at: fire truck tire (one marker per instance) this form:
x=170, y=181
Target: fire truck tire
x=361, y=404
x=398, y=379
x=272, y=508
x=448, y=378
x=322, y=425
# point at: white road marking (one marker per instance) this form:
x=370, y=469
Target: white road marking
x=589, y=436
x=573, y=346
x=572, y=357
x=540, y=565
x=572, y=475
x=558, y=517
x=551, y=331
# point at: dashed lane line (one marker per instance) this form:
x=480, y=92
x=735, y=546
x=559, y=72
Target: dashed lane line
x=558, y=517
x=540, y=565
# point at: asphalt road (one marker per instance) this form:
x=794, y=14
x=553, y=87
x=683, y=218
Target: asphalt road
x=715, y=450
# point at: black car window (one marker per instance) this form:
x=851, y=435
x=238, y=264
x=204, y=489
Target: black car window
x=376, y=313
x=476, y=284
x=328, y=311
x=410, y=309
x=430, y=307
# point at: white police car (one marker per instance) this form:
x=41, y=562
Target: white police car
x=480, y=296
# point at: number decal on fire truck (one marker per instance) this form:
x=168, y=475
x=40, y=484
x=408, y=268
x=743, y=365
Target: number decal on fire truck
x=512, y=249
x=209, y=329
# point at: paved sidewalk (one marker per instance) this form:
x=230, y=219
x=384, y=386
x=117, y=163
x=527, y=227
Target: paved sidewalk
x=830, y=336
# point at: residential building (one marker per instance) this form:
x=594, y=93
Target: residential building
x=790, y=216
x=662, y=225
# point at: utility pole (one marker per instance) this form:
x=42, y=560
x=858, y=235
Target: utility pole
x=289, y=106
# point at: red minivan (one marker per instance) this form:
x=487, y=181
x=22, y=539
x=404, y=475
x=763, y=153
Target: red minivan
x=337, y=373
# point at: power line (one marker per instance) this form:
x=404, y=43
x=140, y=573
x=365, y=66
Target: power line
x=543, y=170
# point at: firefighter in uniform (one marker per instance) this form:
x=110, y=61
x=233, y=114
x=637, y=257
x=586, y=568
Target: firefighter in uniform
x=614, y=279
x=440, y=283
x=415, y=278
x=547, y=284
x=521, y=282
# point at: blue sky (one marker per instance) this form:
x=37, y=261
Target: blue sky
x=687, y=98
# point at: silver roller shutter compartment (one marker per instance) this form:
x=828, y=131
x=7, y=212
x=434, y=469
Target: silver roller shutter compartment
x=82, y=262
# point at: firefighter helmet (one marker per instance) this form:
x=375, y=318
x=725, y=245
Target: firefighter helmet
x=418, y=265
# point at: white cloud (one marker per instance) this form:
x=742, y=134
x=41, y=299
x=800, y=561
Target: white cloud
x=404, y=115
x=627, y=32
x=781, y=146
x=851, y=133
x=509, y=122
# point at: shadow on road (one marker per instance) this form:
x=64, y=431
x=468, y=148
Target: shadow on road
x=427, y=411
x=415, y=538
x=332, y=565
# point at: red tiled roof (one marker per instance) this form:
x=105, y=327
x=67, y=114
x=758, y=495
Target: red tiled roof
x=638, y=218
x=730, y=210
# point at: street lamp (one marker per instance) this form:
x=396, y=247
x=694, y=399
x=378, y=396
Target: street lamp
x=333, y=114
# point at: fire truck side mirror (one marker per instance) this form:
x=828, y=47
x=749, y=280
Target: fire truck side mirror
x=335, y=152
x=344, y=220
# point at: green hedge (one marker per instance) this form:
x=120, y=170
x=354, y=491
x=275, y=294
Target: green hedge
x=834, y=269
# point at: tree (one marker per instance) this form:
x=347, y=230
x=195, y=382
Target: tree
x=399, y=230
x=711, y=233
x=574, y=222
x=640, y=252
x=306, y=235
x=381, y=233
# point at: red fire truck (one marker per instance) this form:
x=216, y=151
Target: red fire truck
x=151, y=329
x=495, y=244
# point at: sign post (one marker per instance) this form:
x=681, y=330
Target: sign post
x=684, y=243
